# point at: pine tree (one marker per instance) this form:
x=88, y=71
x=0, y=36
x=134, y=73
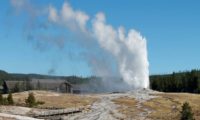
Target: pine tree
x=1, y=99
x=186, y=113
x=30, y=101
x=10, y=99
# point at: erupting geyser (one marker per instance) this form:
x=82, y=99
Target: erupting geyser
x=130, y=51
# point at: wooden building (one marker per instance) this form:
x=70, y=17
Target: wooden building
x=37, y=84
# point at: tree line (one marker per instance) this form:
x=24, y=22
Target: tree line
x=25, y=77
x=188, y=81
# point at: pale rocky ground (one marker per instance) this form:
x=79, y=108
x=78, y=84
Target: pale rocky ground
x=105, y=109
x=102, y=109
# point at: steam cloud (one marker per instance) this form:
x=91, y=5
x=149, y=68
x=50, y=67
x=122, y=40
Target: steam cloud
x=128, y=50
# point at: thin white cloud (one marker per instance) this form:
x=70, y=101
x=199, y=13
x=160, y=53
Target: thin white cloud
x=18, y=3
x=74, y=19
x=53, y=15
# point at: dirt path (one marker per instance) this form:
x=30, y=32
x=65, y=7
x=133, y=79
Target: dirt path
x=105, y=109
x=142, y=95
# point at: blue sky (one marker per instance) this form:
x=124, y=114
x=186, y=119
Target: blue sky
x=171, y=27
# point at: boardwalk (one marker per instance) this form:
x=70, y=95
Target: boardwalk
x=56, y=114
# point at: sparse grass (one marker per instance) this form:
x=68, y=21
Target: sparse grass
x=127, y=106
x=125, y=101
x=167, y=106
x=55, y=100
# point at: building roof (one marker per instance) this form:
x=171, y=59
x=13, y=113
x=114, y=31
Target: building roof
x=11, y=84
x=51, y=81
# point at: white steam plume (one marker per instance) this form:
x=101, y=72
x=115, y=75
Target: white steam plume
x=129, y=50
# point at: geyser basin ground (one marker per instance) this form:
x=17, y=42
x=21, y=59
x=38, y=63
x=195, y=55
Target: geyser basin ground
x=141, y=104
